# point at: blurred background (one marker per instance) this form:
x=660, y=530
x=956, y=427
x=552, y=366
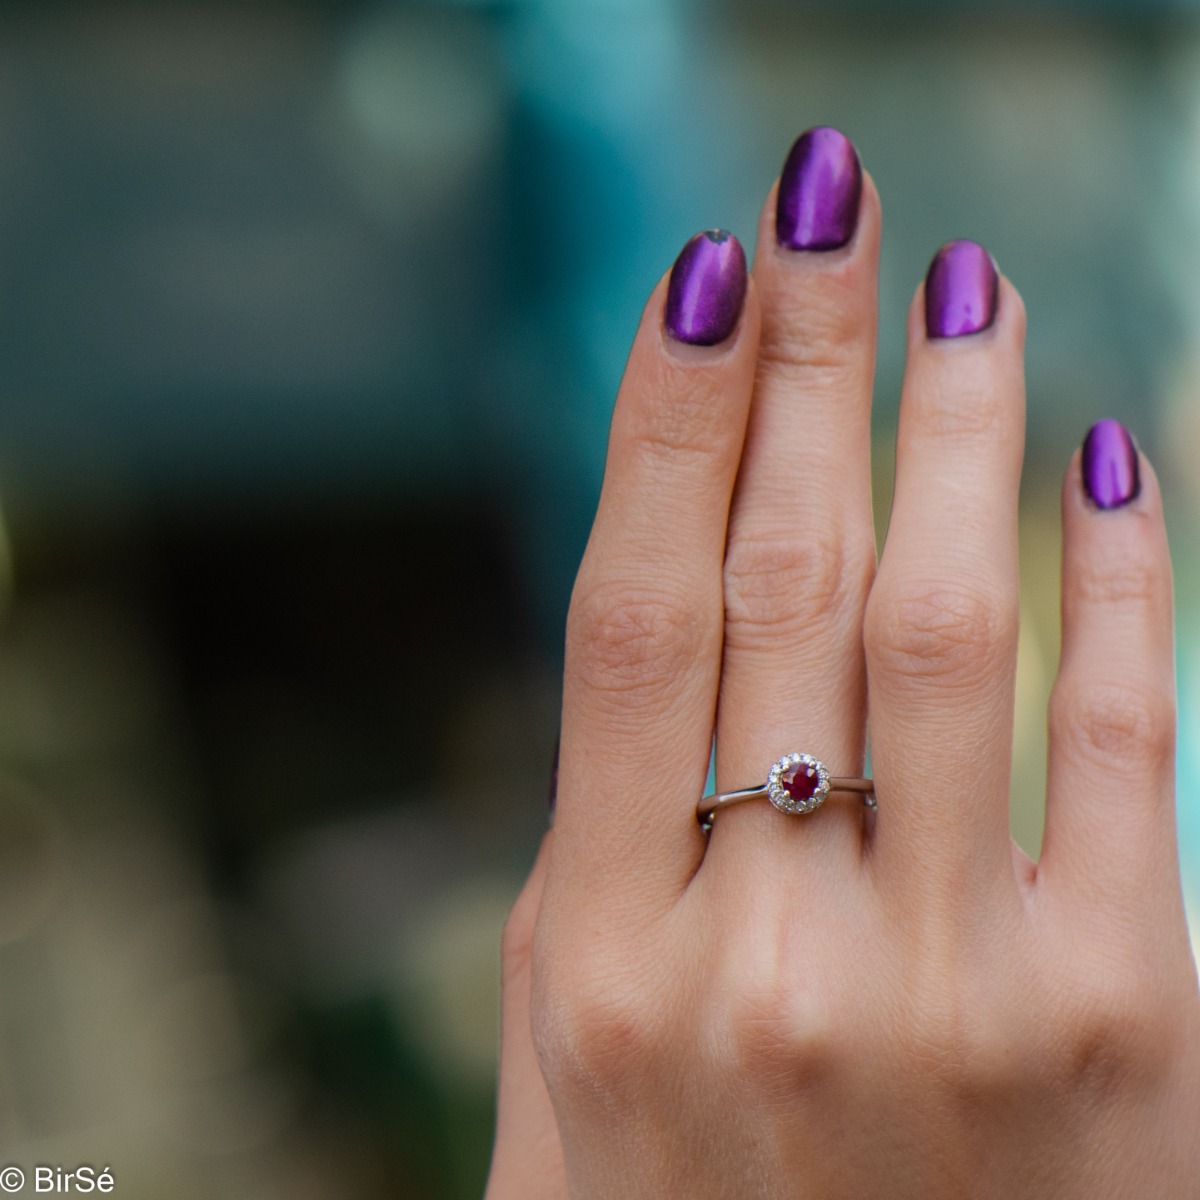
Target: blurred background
x=311, y=316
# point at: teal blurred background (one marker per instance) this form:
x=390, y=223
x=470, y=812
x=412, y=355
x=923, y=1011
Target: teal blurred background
x=311, y=316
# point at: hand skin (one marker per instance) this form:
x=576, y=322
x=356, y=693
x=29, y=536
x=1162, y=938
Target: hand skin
x=527, y=1163
x=832, y=1006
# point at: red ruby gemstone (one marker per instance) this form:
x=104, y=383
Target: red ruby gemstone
x=801, y=781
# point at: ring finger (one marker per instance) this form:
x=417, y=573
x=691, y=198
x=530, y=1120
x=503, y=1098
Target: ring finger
x=801, y=549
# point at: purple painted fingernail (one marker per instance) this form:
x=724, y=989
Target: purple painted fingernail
x=962, y=290
x=707, y=287
x=820, y=187
x=554, y=780
x=1110, y=465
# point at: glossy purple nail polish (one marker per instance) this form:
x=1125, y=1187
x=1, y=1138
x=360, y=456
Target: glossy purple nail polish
x=1110, y=465
x=820, y=188
x=706, y=289
x=961, y=291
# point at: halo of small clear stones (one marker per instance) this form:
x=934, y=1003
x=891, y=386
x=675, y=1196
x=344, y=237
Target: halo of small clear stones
x=778, y=794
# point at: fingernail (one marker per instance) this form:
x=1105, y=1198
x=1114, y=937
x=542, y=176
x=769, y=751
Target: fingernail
x=554, y=781
x=961, y=290
x=816, y=207
x=707, y=287
x=1110, y=465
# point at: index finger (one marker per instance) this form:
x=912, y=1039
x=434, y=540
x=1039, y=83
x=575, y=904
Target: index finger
x=645, y=625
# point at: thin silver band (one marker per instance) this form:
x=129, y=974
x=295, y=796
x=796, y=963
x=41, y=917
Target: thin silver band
x=711, y=805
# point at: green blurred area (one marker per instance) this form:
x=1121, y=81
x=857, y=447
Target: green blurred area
x=311, y=317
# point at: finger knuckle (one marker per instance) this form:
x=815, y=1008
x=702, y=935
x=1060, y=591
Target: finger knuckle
x=960, y=1041
x=957, y=410
x=689, y=424
x=821, y=365
x=939, y=632
x=630, y=639
x=1128, y=582
x=595, y=1032
x=807, y=345
x=776, y=584
x=989, y=1061
x=774, y=1031
x=1126, y=727
x=1116, y=1025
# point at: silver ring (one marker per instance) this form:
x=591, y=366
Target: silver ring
x=796, y=783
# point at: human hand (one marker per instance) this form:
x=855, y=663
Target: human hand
x=844, y=1004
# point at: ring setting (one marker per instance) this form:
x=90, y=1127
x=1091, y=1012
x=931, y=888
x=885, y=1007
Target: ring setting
x=796, y=784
